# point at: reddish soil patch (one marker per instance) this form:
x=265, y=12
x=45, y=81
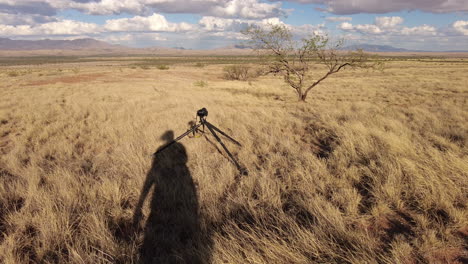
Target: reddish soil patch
x=390, y=225
x=69, y=79
x=463, y=232
x=136, y=75
x=449, y=255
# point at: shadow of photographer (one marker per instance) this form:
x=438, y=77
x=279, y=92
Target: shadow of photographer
x=172, y=233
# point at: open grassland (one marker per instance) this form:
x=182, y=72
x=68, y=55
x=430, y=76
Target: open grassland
x=372, y=169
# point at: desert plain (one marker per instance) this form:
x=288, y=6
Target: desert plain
x=372, y=168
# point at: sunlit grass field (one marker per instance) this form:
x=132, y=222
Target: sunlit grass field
x=371, y=169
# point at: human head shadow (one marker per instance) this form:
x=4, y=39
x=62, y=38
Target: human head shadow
x=172, y=233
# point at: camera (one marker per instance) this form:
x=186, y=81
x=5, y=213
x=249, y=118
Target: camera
x=202, y=112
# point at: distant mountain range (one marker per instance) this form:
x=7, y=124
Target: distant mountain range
x=49, y=44
x=377, y=48
x=387, y=48
x=87, y=46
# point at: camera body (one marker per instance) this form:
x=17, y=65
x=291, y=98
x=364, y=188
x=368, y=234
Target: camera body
x=202, y=113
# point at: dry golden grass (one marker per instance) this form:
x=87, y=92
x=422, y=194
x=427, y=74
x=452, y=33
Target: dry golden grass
x=372, y=169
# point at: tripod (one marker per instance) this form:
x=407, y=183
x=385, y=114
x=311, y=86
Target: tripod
x=201, y=118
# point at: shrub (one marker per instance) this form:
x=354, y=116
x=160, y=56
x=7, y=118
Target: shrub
x=13, y=74
x=145, y=67
x=163, y=67
x=236, y=72
x=200, y=84
x=258, y=72
x=199, y=65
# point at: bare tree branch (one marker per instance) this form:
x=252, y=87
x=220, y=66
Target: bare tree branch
x=293, y=58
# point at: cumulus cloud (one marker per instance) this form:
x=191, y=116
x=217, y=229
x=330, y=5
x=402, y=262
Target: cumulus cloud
x=369, y=29
x=155, y=22
x=344, y=7
x=227, y=35
x=13, y=19
x=389, y=26
x=346, y=26
x=252, y=9
x=209, y=23
x=461, y=27
x=308, y=29
x=388, y=22
x=27, y=7
x=247, y=9
x=338, y=19
x=365, y=28
x=64, y=27
x=132, y=39
x=424, y=30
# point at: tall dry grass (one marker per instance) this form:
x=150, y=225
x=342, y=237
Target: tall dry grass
x=372, y=169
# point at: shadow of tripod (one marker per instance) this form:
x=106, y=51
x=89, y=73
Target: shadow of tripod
x=201, y=118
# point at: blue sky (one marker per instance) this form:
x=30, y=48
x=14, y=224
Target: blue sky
x=201, y=24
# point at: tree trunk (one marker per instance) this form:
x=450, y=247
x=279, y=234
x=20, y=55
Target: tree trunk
x=303, y=97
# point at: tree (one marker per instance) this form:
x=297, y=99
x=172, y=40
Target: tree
x=293, y=58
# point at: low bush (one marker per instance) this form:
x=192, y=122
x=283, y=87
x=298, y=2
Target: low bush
x=200, y=83
x=163, y=67
x=236, y=72
x=13, y=74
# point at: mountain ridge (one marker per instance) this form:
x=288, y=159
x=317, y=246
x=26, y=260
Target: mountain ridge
x=83, y=46
x=50, y=44
x=377, y=48
x=388, y=48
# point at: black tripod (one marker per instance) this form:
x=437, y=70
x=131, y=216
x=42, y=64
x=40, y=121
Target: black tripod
x=201, y=117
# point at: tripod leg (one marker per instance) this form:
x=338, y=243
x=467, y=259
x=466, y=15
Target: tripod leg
x=193, y=129
x=222, y=133
x=225, y=148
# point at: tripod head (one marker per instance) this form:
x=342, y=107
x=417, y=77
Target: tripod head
x=202, y=113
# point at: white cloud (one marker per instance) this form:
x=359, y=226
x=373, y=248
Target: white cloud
x=67, y=27
x=132, y=39
x=64, y=27
x=338, y=19
x=389, y=26
x=361, y=28
x=370, y=29
x=345, y=7
x=308, y=30
x=210, y=23
x=423, y=30
x=388, y=22
x=252, y=9
x=155, y=22
x=106, y=7
x=25, y=19
x=246, y=9
x=43, y=8
x=461, y=27
x=228, y=35
x=346, y=26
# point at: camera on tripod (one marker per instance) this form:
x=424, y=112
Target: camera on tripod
x=202, y=114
